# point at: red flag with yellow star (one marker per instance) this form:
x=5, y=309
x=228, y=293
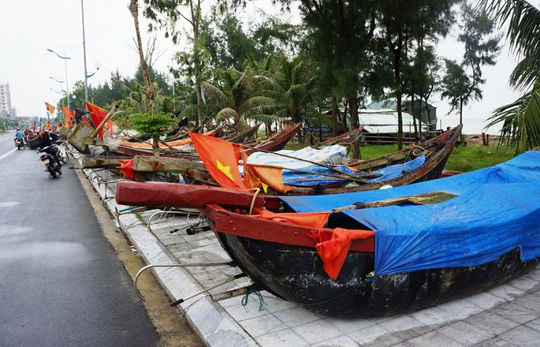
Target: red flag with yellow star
x=50, y=108
x=220, y=158
x=97, y=114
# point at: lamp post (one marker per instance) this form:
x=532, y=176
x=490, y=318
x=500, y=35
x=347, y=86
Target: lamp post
x=65, y=66
x=84, y=55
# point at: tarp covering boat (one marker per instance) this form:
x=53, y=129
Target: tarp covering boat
x=468, y=230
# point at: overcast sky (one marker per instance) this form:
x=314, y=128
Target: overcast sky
x=29, y=27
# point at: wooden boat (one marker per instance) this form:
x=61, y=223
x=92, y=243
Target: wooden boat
x=244, y=136
x=348, y=137
x=436, y=150
x=275, y=142
x=282, y=256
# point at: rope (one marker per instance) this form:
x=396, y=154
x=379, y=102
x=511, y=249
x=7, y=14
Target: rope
x=418, y=150
x=257, y=191
x=252, y=290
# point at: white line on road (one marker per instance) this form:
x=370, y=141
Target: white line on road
x=8, y=153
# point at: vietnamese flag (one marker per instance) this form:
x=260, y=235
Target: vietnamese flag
x=69, y=116
x=97, y=114
x=220, y=158
x=126, y=168
x=271, y=176
x=50, y=108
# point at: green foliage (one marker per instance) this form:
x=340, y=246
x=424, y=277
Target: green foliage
x=521, y=118
x=474, y=157
x=150, y=125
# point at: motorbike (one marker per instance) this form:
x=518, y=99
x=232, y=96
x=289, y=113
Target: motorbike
x=51, y=161
x=19, y=143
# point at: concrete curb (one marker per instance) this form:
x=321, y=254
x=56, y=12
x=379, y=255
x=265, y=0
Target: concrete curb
x=215, y=326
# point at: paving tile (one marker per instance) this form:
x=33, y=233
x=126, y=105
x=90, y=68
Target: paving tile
x=316, y=331
x=467, y=334
x=275, y=304
x=433, y=316
x=535, y=324
x=342, y=341
x=460, y=309
x=485, y=300
x=491, y=322
x=495, y=342
x=262, y=325
x=434, y=339
x=405, y=327
x=516, y=313
x=522, y=336
x=239, y=312
x=285, y=337
x=296, y=316
x=506, y=292
x=346, y=326
x=534, y=274
x=525, y=283
x=374, y=335
x=529, y=301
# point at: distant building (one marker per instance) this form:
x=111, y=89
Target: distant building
x=426, y=111
x=5, y=100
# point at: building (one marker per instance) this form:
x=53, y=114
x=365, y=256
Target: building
x=5, y=100
x=426, y=112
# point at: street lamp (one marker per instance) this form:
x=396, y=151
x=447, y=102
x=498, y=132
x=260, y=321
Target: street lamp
x=52, y=78
x=84, y=55
x=64, y=58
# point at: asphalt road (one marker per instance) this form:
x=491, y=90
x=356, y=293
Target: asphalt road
x=61, y=283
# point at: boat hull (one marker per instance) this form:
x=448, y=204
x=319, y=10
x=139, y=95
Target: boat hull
x=296, y=274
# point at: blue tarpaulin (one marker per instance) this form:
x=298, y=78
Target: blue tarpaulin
x=497, y=209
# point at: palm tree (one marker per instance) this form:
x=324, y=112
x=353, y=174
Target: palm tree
x=231, y=93
x=288, y=93
x=521, y=119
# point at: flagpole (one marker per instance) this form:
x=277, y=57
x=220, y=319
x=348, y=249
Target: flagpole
x=84, y=56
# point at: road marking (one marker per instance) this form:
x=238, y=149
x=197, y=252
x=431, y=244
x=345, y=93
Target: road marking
x=8, y=153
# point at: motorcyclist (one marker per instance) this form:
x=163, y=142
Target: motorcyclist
x=19, y=135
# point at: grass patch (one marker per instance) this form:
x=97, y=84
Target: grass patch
x=473, y=157
x=463, y=158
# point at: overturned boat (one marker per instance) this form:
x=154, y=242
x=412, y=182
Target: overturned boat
x=379, y=252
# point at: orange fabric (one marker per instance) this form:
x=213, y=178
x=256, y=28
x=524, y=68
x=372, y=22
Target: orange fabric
x=176, y=143
x=311, y=220
x=97, y=114
x=220, y=158
x=50, y=108
x=334, y=251
x=126, y=168
x=68, y=116
x=270, y=175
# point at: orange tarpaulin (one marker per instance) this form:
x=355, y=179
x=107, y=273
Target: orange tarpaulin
x=269, y=175
x=97, y=114
x=332, y=250
x=126, y=168
x=69, y=116
x=220, y=158
x=176, y=143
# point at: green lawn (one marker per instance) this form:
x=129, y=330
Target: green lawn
x=463, y=158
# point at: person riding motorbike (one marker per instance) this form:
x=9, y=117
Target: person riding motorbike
x=19, y=135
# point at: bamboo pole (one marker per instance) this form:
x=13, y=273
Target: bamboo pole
x=105, y=120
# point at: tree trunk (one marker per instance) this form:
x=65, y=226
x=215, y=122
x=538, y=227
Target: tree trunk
x=411, y=108
x=461, y=116
x=334, y=116
x=155, y=145
x=195, y=21
x=397, y=74
x=353, y=109
x=144, y=66
x=427, y=116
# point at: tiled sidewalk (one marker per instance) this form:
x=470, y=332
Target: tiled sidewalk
x=507, y=315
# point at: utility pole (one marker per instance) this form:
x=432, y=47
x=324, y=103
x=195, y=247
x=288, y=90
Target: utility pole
x=84, y=56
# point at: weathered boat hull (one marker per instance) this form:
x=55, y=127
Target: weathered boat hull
x=296, y=274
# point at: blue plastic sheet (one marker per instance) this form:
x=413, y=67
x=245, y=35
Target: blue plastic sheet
x=497, y=209
x=314, y=177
